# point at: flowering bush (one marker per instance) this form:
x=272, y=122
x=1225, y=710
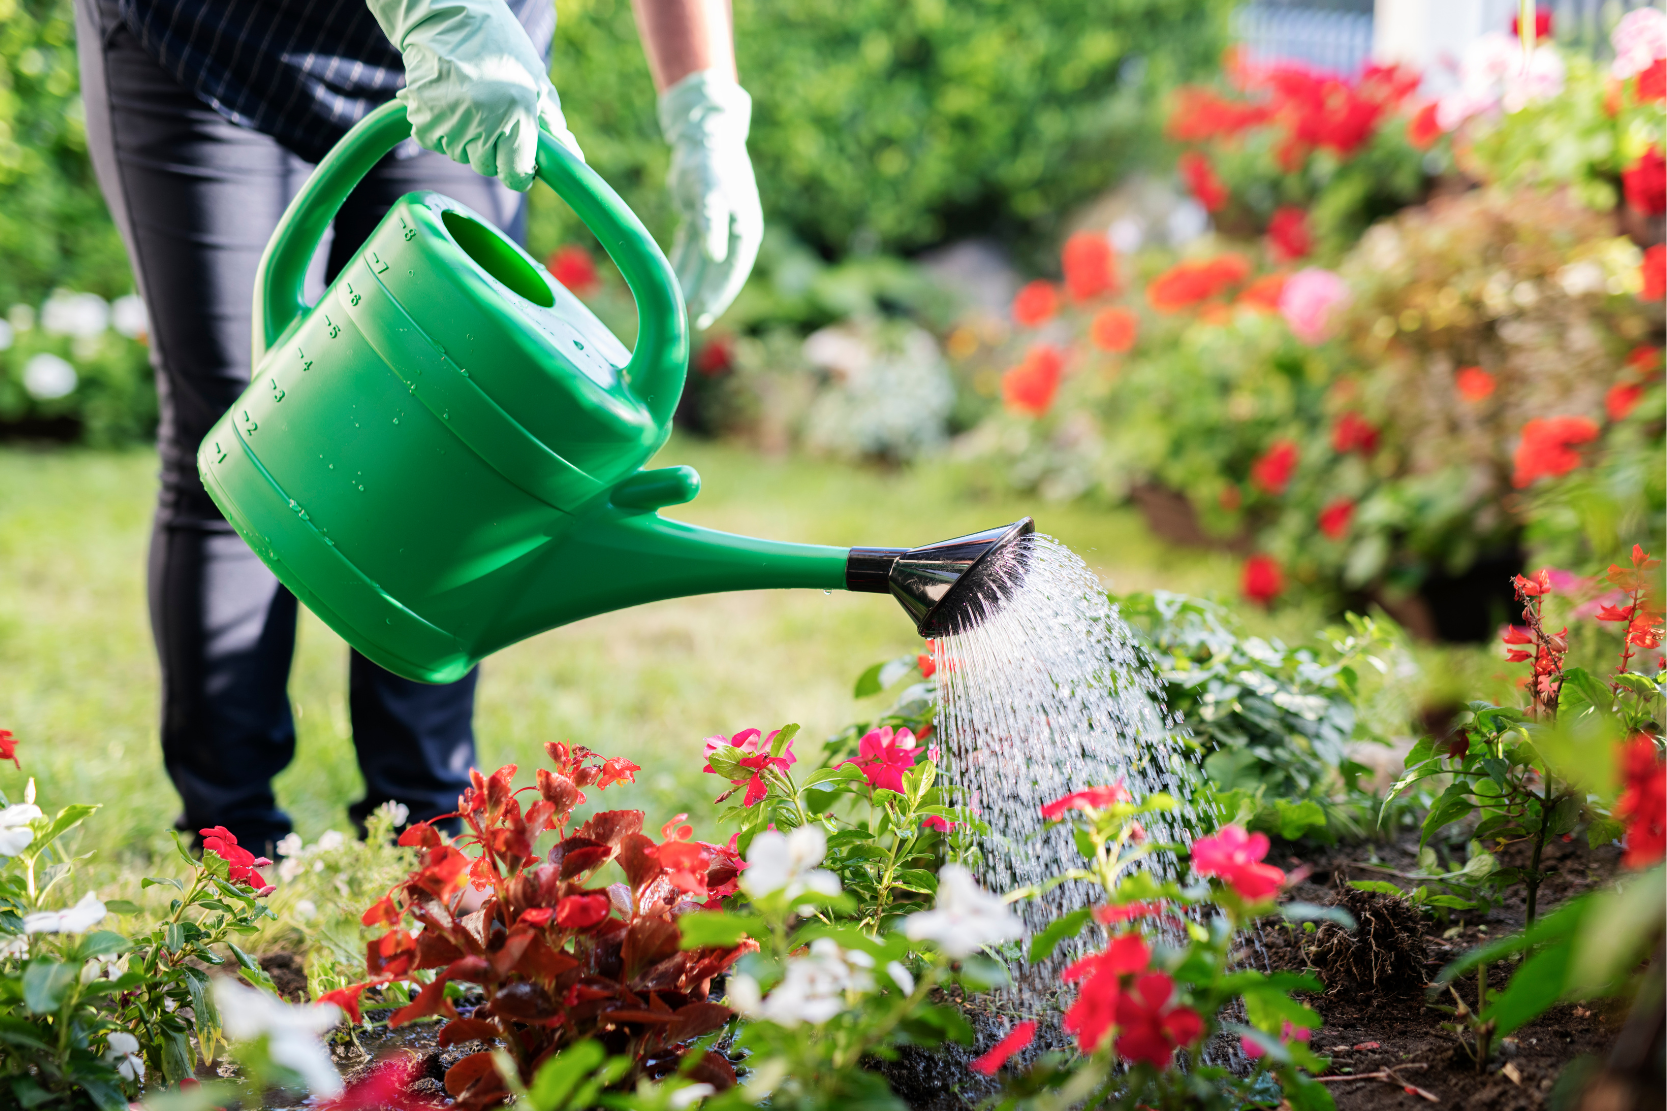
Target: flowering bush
x=1308, y=158
x=78, y=368
x=1160, y=977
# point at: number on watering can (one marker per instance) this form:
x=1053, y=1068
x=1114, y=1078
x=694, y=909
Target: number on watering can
x=377, y=264
x=352, y=297
x=221, y=452
x=306, y=363
x=409, y=231
x=334, y=328
x=277, y=391
x=249, y=424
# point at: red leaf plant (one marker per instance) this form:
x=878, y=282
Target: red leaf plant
x=559, y=961
x=1643, y=613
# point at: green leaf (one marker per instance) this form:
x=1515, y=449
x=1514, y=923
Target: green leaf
x=105, y=1095
x=1451, y=901
x=868, y=683
x=68, y=818
x=1313, y=912
x=102, y=943
x=1065, y=926
x=23, y=1034
x=717, y=928
x=44, y=984
x=1535, y=987
x=1453, y=804
x=29, y=1093
x=917, y=879
x=122, y=906
x=784, y=737
x=558, y=1076
x=149, y=882
x=1297, y=818
x=1422, y=751
x=1602, y=831
x=1378, y=887
x=202, y=1007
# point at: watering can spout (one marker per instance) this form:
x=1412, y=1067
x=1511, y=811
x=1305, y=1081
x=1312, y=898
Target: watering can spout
x=950, y=586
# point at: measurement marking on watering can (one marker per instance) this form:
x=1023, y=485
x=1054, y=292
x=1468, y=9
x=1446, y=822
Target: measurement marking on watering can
x=220, y=451
x=306, y=363
x=277, y=390
x=408, y=231
x=334, y=328
x=352, y=297
x=249, y=423
x=376, y=262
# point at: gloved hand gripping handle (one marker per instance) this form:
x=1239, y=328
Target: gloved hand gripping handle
x=661, y=358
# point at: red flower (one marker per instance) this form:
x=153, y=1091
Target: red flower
x=1643, y=358
x=1645, y=183
x=1234, y=856
x=1114, y=329
x=347, y=999
x=617, y=769
x=1548, y=447
x=1126, y=912
x=582, y=911
x=8, y=747
x=1263, y=294
x=1151, y=1029
x=1474, y=383
x=1654, y=272
x=1036, y=304
x=1029, y=388
x=222, y=844
x=1353, y=432
x=573, y=267
x=1621, y=399
x=1094, y=798
x=1090, y=266
x=1191, y=283
x=1201, y=179
x=1643, y=804
x=1272, y=472
x=928, y=667
x=1542, y=25
x=1652, y=82
x=386, y=1087
x=1422, y=129
x=1263, y=580
x=1094, y=1013
x=1335, y=518
x=686, y=864
x=883, y=756
x=1020, y=1037
x=1201, y=114
x=937, y=824
x=717, y=357
x=1288, y=235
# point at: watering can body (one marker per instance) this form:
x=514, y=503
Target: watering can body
x=442, y=456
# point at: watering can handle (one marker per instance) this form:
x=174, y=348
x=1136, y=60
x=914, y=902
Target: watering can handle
x=655, y=372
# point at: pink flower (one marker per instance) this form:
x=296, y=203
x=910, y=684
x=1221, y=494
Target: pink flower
x=934, y=822
x=1149, y=1029
x=1253, y=1048
x=884, y=755
x=1094, y=798
x=1639, y=39
x=1235, y=856
x=1308, y=300
x=758, y=759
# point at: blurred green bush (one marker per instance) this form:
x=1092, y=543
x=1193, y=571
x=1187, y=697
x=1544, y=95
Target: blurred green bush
x=54, y=228
x=886, y=126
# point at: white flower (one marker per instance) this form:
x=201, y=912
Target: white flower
x=289, y=845
x=78, y=919
x=123, y=1052
x=290, y=867
x=292, y=1032
x=15, y=946
x=966, y=917
x=901, y=977
x=775, y=861
x=47, y=377
x=330, y=841
x=6, y=334
x=15, y=834
x=694, y=1093
x=306, y=909
x=1639, y=39
x=398, y=812
x=75, y=314
x=128, y=316
x=813, y=990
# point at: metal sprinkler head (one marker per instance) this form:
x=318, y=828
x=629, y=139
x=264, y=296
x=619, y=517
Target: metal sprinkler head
x=946, y=587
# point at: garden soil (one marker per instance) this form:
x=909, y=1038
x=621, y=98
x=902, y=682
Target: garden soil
x=1385, y=1034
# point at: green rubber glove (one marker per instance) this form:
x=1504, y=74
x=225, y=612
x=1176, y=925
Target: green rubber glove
x=476, y=89
x=705, y=118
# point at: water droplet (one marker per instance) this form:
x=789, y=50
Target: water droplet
x=828, y=592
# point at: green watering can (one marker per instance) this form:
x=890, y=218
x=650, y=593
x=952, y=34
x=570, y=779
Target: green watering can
x=443, y=456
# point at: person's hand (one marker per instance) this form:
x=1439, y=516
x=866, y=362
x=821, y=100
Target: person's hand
x=705, y=118
x=476, y=89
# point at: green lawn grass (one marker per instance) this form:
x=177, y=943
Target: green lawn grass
x=78, y=675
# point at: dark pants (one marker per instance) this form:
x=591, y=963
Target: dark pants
x=196, y=198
